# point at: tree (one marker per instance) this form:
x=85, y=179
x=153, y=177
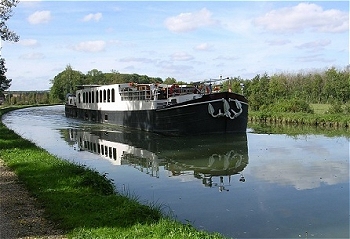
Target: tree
x=66, y=82
x=95, y=77
x=5, y=14
x=170, y=81
x=6, y=35
x=278, y=87
x=5, y=83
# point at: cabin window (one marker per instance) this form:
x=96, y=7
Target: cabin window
x=110, y=152
x=106, y=151
x=108, y=95
x=106, y=117
x=97, y=96
x=79, y=98
x=92, y=97
x=113, y=95
x=101, y=99
x=114, y=153
x=104, y=96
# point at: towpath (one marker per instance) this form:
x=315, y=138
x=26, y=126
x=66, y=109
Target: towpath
x=20, y=214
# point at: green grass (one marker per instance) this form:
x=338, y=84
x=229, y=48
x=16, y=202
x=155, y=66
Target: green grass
x=320, y=108
x=81, y=201
x=320, y=118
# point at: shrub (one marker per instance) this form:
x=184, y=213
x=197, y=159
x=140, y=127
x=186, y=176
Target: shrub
x=335, y=108
x=291, y=106
x=347, y=108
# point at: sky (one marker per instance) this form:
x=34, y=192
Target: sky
x=186, y=40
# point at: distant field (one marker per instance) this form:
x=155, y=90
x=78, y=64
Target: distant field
x=320, y=108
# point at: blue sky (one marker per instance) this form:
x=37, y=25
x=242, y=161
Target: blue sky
x=187, y=40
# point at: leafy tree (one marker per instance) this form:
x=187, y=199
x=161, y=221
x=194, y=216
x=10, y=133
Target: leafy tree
x=66, y=82
x=170, y=81
x=95, y=77
x=6, y=35
x=257, y=91
x=5, y=14
x=5, y=83
x=278, y=87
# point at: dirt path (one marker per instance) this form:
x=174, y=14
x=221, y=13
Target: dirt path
x=20, y=214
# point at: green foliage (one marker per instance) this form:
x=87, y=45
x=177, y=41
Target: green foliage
x=292, y=106
x=68, y=80
x=262, y=90
x=336, y=108
x=5, y=83
x=6, y=35
x=170, y=81
x=347, y=108
x=5, y=14
x=312, y=87
x=28, y=98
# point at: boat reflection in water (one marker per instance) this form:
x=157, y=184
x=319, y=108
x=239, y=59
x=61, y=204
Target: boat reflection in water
x=212, y=159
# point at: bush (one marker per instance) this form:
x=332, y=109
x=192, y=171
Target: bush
x=335, y=108
x=347, y=108
x=291, y=106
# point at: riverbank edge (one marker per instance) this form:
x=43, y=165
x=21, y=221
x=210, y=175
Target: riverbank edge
x=336, y=121
x=85, y=209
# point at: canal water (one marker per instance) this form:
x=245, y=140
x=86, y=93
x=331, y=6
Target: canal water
x=253, y=185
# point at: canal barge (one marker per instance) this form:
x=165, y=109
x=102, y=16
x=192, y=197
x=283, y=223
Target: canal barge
x=160, y=108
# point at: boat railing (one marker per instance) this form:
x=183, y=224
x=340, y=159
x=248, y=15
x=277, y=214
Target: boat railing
x=147, y=92
x=130, y=95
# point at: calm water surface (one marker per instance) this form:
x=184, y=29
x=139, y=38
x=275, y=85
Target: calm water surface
x=246, y=186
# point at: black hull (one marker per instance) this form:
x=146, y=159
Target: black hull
x=190, y=118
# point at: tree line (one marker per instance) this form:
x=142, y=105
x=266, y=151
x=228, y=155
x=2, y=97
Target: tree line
x=68, y=80
x=26, y=98
x=284, y=92
x=327, y=87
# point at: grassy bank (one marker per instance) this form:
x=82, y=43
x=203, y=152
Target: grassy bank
x=321, y=120
x=81, y=201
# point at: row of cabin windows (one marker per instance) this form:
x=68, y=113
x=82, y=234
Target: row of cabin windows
x=98, y=96
x=104, y=150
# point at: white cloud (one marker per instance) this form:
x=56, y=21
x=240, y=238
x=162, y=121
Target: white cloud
x=90, y=46
x=186, y=22
x=278, y=42
x=28, y=42
x=93, y=17
x=314, y=58
x=136, y=59
x=39, y=17
x=302, y=16
x=181, y=56
x=32, y=56
x=203, y=47
x=315, y=45
x=301, y=175
x=227, y=58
